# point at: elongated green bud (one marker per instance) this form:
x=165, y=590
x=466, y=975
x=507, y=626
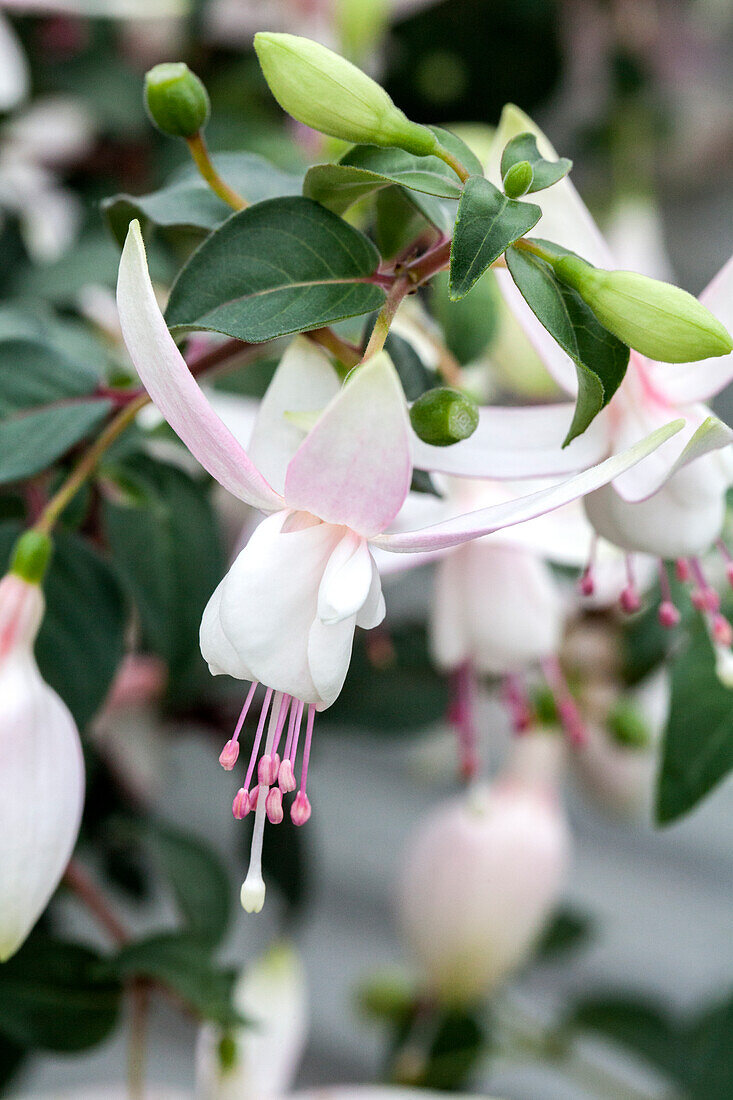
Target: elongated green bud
x=443, y=416
x=176, y=100
x=518, y=179
x=31, y=555
x=328, y=93
x=657, y=319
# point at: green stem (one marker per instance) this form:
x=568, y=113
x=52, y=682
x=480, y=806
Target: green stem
x=345, y=352
x=202, y=160
x=536, y=249
x=400, y=287
x=453, y=162
x=90, y=459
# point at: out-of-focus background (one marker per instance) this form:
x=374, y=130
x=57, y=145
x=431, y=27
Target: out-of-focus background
x=639, y=94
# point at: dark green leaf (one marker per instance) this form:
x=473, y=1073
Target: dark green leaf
x=11, y=1059
x=458, y=1039
x=546, y=172
x=165, y=543
x=641, y=1027
x=368, y=168
x=196, y=875
x=52, y=996
x=600, y=358
x=697, y=752
x=33, y=373
x=708, y=1067
x=183, y=963
x=567, y=931
x=398, y=222
x=487, y=223
x=30, y=442
x=187, y=200
x=282, y=266
x=81, y=641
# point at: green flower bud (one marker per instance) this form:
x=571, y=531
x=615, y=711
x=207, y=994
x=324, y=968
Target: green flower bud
x=442, y=416
x=328, y=93
x=628, y=728
x=31, y=555
x=518, y=179
x=176, y=100
x=657, y=319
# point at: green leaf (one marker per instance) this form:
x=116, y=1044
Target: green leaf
x=81, y=641
x=567, y=931
x=52, y=996
x=11, y=1059
x=487, y=223
x=709, y=1065
x=641, y=1027
x=282, y=266
x=600, y=358
x=470, y=324
x=30, y=442
x=195, y=873
x=183, y=963
x=164, y=540
x=34, y=373
x=368, y=168
x=456, y=1041
x=188, y=202
x=398, y=222
x=697, y=751
x=546, y=172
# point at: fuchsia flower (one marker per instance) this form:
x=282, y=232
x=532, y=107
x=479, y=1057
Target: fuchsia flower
x=42, y=770
x=284, y=616
x=483, y=873
x=672, y=504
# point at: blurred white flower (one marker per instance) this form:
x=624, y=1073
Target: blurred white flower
x=14, y=77
x=483, y=872
x=42, y=776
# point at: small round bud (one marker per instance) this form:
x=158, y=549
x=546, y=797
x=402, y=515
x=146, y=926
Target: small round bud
x=443, y=416
x=176, y=100
x=518, y=179
x=227, y=1053
x=627, y=726
x=387, y=996
x=657, y=319
x=31, y=555
x=329, y=94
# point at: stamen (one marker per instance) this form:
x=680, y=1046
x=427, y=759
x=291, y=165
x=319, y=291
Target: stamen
x=240, y=805
x=269, y=765
x=722, y=630
x=274, y=806
x=682, y=570
x=230, y=752
x=300, y=811
x=296, y=737
x=669, y=615
x=258, y=737
x=630, y=600
x=704, y=597
x=253, y=888
x=517, y=703
x=462, y=717
x=567, y=709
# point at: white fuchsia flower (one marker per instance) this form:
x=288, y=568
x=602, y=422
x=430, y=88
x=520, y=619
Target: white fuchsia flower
x=482, y=874
x=672, y=504
x=284, y=616
x=42, y=775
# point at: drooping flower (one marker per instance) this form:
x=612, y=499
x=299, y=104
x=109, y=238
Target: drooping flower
x=42, y=774
x=482, y=874
x=284, y=616
x=672, y=504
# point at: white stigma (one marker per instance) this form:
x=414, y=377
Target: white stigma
x=253, y=892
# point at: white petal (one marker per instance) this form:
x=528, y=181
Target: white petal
x=304, y=381
x=373, y=609
x=216, y=649
x=14, y=77
x=41, y=796
x=271, y=994
x=269, y=602
x=346, y=580
x=329, y=654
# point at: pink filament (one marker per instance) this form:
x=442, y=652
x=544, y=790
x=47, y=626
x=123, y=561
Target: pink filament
x=258, y=737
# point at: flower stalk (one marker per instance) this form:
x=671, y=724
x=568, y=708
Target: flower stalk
x=200, y=155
